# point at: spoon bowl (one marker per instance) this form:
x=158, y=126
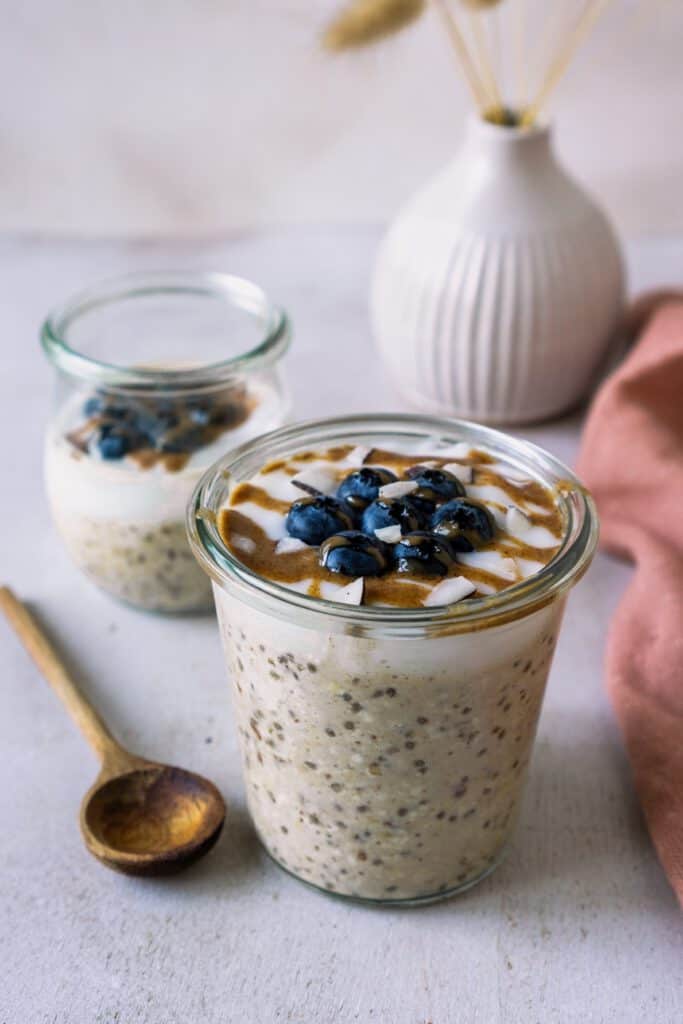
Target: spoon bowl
x=153, y=820
x=140, y=817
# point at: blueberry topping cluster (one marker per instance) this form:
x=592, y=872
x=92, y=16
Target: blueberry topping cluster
x=118, y=424
x=362, y=532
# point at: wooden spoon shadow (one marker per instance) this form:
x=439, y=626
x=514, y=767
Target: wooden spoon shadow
x=237, y=859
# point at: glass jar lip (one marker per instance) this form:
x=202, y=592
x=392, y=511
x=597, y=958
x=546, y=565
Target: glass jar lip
x=234, y=290
x=519, y=600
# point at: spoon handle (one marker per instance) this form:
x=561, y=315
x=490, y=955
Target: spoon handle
x=55, y=672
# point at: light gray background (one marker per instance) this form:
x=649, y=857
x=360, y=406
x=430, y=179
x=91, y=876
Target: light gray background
x=578, y=925
x=220, y=116
x=206, y=116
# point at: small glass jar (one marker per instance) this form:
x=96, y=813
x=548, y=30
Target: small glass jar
x=157, y=376
x=385, y=749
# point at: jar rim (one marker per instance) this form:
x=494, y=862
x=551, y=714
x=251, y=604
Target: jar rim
x=235, y=291
x=516, y=601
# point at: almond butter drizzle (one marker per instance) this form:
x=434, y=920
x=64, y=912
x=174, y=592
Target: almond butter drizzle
x=246, y=492
x=392, y=588
x=80, y=436
x=173, y=462
x=530, y=492
x=296, y=566
x=335, y=454
x=400, y=461
x=511, y=547
x=288, y=567
x=274, y=466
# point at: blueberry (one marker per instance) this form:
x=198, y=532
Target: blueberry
x=113, y=443
x=115, y=411
x=464, y=522
x=423, y=554
x=435, y=485
x=391, y=512
x=353, y=553
x=358, y=489
x=312, y=520
x=108, y=407
x=93, y=406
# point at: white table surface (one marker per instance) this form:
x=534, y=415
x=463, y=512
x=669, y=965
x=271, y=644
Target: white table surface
x=578, y=924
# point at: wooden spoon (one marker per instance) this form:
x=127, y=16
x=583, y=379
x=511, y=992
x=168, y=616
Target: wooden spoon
x=139, y=817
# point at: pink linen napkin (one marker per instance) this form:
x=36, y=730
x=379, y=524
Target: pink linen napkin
x=632, y=460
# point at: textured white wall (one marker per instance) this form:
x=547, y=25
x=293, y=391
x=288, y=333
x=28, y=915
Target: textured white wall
x=206, y=116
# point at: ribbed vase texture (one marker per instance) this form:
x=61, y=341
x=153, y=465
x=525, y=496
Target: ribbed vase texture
x=498, y=290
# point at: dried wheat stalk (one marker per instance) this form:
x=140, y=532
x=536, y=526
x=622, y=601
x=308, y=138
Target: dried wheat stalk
x=366, y=21
x=362, y=22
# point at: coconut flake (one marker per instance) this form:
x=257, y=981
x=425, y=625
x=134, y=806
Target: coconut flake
x=245, y=544
x=389, y=534
x=398, y=489
x=353, y=594
x=316, y=480
x=516, y=521
x=499, y=513
x=450, y=591
x=510, y=568
x=288, y=545
x=358, y=455
x=491, y=561
x=464, y=474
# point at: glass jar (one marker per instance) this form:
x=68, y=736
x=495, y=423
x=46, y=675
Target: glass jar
x=157, y=375
x=385, y=749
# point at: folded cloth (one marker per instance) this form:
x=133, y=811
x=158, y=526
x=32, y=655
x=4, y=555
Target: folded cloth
x=632, y=460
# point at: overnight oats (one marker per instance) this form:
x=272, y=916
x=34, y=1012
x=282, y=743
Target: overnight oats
x=158, y=375
x=389, y=592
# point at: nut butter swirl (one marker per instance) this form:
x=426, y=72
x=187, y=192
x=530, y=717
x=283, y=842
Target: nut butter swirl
x=253, y=545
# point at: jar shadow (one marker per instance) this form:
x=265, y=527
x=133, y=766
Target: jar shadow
x=580, y=827
x=237, y=856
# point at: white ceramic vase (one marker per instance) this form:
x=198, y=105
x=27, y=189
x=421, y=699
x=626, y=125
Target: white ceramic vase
x=498, y=289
